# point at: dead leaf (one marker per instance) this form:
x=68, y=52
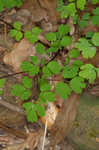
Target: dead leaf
x=97, y=139
x=21, y=51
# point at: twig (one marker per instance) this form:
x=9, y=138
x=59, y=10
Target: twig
x=12, y=107
x=40, y=37
x=15, y=132
x=9, y=75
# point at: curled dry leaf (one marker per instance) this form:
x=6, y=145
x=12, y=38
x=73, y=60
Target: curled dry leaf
x=50, y=115
x=21, y=51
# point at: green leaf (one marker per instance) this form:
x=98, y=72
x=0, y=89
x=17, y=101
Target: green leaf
x=77, y=84
x=54, y=67
x=17, y=26
x=88, y=72
x=51, y=49
x=34, y=60
x=45, y=86
x=86, y=16
x=13, y=32
x=70, y=71
x=40, y=48
x=27, y=82
x=17, y=90
x=18, y=3
x=66, y=41
x=89, y=34
x=36, y=31
x=30, y=111
x=78, y=63
x=26, y=66
x=95, y=21
x=74, y=53
x=56, y=45
x=32, y=116
x=83, y=23
x=94, y=1
x=47, y=96
x=31, y=37
x=9, y=3
x=46, y=71
x=69, y=10
x=2, y=82
x=96, y=11
x=62, y=90
x=95, y=39
x=25, y=95
x=40, y=110
x=1, y=5
x=50, y=36
x=62, y=30
x=1, y=92
x=81, y=4
x=82, y=44
x=18, y=36
x=97, y=70
x=66, y=61
x=88, y=51
x=34, y=70
x=42, y=61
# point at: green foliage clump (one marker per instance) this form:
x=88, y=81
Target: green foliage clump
x=33, y=111
x=88, y=72
x=75, y=74
x=84, y=21
x=88, y=50
x=74, y=53
x=95, y=17
x=70, y=71
x=22, y=91
x=77, y=84
x=59, y=39
x=81, y=4
x=95, y=1
x=16, y=32
x=10, y=4
x=63, y=90
x=70, y=8
x=33, y=36
x=66, y=10
x=95, y=39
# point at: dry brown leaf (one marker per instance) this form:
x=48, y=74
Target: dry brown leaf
x=51, y=114
x=21, y=51
x=97, y=139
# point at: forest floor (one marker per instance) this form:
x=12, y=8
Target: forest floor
x=16, y=133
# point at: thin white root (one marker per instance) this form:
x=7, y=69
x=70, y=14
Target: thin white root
x=46, y=124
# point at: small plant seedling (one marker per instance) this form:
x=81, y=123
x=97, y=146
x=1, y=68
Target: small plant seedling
x=75, y=74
